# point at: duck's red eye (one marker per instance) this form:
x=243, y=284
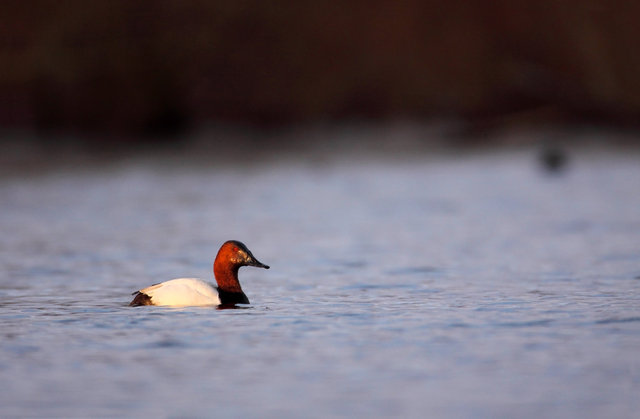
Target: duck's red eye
x=235, y=249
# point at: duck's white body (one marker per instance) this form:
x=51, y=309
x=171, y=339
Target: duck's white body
x=181, y=292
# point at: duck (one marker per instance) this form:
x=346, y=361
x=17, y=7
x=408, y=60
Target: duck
x=185, y=292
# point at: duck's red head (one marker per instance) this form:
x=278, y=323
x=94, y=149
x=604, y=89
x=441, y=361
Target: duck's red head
x=231, y=256
x=236, y=253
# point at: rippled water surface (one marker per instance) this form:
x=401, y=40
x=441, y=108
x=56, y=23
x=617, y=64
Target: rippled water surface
x=473, y=286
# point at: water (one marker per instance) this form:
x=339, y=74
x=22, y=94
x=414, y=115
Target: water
x=469, y=286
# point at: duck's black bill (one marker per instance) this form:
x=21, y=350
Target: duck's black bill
x=258, y=264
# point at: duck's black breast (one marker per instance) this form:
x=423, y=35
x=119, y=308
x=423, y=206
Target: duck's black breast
x=230, y=298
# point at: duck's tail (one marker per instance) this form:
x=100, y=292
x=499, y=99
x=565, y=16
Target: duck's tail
x=140, y=299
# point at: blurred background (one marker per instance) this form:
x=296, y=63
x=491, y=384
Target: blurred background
x=118, y=72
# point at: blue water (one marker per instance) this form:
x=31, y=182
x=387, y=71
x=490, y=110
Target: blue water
x=420, y=286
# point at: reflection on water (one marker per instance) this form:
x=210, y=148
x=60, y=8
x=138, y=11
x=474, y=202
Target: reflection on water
x=473, y=286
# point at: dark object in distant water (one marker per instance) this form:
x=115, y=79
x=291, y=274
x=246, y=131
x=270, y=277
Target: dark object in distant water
x=553, y=159
x=166, y=124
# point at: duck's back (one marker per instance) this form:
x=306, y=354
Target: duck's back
x=179, y=292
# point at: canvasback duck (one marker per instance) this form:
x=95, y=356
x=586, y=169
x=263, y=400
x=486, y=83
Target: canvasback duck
x=183, y=292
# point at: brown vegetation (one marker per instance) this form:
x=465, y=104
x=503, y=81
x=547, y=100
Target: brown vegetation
x=156, y=66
